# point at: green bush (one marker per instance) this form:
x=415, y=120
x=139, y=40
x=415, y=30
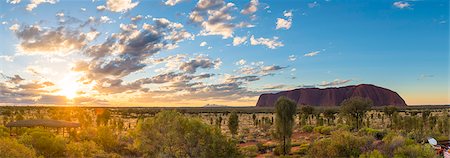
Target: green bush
x=249, y=151
x=44, y=142
x=414, y=150
x=323, y=130
x=307, y=128
x=377, y=134
x=11, y=148
x=171, y=134
x=302, y=150
x=83, y=149
x=340, y=144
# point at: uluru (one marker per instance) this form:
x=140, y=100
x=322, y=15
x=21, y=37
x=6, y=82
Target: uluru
x=334, y=96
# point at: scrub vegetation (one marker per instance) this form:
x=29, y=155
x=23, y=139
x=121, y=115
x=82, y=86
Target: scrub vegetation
x=355, y=129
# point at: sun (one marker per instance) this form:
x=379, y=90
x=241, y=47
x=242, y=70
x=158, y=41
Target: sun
x=69, y=86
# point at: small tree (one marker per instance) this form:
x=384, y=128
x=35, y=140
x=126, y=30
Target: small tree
x=329, y=115
x=307, y=111
x=389, y=111
x=233, y=123
x=284, y=121
x=355, y=108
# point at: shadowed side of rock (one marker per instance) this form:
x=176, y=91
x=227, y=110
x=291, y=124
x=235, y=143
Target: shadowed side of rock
x=334, y=96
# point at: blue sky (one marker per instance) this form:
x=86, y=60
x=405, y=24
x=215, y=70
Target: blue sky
x=234, y=52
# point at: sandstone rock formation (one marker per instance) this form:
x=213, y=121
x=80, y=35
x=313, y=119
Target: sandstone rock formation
x=334, y=96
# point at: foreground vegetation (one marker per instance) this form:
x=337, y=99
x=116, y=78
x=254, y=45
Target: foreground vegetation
x=355, y=130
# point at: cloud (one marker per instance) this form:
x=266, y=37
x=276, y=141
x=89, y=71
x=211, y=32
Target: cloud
x=215, y=18
x=241, y=62
x=251, y=8
x=239, y=40
x=336, y=82
x=310, y=54
x=17, y=90
x=292, y=58
x=120, y=5
x=105, y=19
x=13, y=1
x=101, y=8
x=14, y=27
x=34, y=3
x=203, y=44
x=259, y=69
x=284, y=23
x=425, y=76
x=37, y=40
x=199, y=62
x=273, y=87
x=126, y=52
x=401, y=4
x=287, y=14
x=269, y=43
x=172, y=2
x=7, y=58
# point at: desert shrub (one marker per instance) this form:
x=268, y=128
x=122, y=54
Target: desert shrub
x=340, y=144
x=107, y=139
x=317, y=129
x=392, y=141
x=307, y=128
x=170, y=134
x=45, y=143
x=323, y=129
x=11, y=148
x=4, y=132
x=414, y=150
x=372, y=154
x=377, y=134
x=249, y=151
x=302, y=150
x=83, y=149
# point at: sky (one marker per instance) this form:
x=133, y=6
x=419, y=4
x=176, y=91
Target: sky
x=198, y=52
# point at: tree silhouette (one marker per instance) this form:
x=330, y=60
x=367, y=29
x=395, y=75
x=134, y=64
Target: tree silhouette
x=284, y=121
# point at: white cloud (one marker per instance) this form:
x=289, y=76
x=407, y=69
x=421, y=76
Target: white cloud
x=283, y=23
x=120, y=5
x=34, y=3
x=269, y=43
x=60, y=14
x=292, y=58
x=287, y=13
x=241, y=62
x=239, y=40
x=310, y=54
x=105, y=19
x=7, y=58
x=172, y=2
x=83, y=9
x=203, y=44
x=401, y=4
x=336, y=82
x=13, y=1
x=251, y=8
x=101, y=8
x=14, y=27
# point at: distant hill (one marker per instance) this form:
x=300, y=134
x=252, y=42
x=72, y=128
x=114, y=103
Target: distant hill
x=214, y=106
x=334, y=96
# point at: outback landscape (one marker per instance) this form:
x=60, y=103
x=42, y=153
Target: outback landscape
x=224, y=79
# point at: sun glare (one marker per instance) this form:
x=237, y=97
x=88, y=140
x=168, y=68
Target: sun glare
x=69, y=86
